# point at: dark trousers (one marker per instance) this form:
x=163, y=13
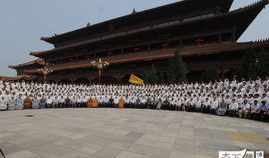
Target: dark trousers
x=165, y=107
x=261, y=116
x=232, y=113
x=213, y=111
x=197, y=109
x=205, y=109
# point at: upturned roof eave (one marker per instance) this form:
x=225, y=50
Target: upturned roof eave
x=261, y=3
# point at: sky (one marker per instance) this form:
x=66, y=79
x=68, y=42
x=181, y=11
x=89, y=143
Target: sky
x=24, y=22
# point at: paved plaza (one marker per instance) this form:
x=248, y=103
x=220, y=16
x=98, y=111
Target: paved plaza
x=115, y=133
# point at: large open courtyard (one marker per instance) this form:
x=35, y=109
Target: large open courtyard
x=115, y=133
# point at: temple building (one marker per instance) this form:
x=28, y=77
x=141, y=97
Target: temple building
x=205, y=32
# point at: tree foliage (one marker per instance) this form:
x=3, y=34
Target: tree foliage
x=83, y=80
x=263, y=63
x=255, y=63
x=210, y=74
x=151, y=76
x=177, y=69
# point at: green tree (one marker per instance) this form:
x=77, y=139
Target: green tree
x=177, y=69
x=248, y=65
x=83, y=80
x=263, y=63
x=210, y=74
x=255, y=63
x=151, y=75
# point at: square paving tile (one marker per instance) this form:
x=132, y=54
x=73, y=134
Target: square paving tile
x=129, y=133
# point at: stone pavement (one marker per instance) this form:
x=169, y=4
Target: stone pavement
x=115, y=133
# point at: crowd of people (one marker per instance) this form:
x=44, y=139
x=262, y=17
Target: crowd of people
x=245, y=98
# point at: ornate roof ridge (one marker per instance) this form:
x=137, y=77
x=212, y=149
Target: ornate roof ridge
x=49, y=39
x=252, y=5
x=261, y=42
x=36, y=61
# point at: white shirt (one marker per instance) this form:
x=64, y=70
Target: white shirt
x=234, y=106
x=3, y=104
x=215, y=104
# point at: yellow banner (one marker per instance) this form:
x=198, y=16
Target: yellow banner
x=136, y=80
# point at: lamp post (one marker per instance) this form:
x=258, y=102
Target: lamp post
x=99, y=65
x=45, y=71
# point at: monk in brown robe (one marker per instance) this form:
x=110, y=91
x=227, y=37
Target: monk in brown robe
x=93, y=103
x=121, y=103
x=27, y=103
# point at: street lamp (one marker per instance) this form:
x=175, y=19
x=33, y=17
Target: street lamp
x=45, y=71
x=99, y=65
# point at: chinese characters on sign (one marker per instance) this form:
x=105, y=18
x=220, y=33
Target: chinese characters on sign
x=241, y=154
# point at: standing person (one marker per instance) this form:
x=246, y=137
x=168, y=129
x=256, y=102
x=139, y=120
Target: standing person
x=122, y=102
x=12, y=103
x=262, y=110
x=49, y=102
x=138, y=103
x=166, y=104
x=62, y=101
x=215, y=105
x=103, y=102
x=7, y=98
x=233, y=108
x=127, y=101
x=148, y=103
x=207, y=105
x=198, y=104
x=176, y=102
x=116, y=100
x=222, y=108
x=3, y=104
x=159, y=104
x=131, y=101
x=182, y=102
x=153, y=102
x=75, y=101
x=19, y=103
x=203, y=103
x=194, y=103
x=254, y=110
x=250, y=102
x=267, y=111
x=83, y=101
x=36, y=103
x=245, y=111
x=43, y=102
x=56, y=101
x=143, y=102
x=173, y=103
x=111, y=102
